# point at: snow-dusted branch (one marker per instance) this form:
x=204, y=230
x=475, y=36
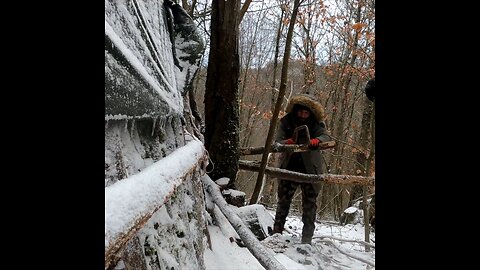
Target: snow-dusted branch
x=129, y=203
x=309, y=178
x=347, y=253
x=346, y=240
x=257, y=249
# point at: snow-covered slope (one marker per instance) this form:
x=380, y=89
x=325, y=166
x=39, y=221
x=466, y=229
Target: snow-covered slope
x=334, y=247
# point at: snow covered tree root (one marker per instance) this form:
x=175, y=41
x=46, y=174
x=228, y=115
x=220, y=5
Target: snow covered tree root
x=345, y=252
x=262, y=254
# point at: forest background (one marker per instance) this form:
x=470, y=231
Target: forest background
x=332, y=58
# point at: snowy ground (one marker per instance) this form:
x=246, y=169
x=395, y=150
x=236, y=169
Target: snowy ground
x=322, y=254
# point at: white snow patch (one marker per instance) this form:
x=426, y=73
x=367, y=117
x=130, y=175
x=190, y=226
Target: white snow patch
x=350, y=210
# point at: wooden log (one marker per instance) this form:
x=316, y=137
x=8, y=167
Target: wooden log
x=285, y=148
x=258, y=250
x=308, y=178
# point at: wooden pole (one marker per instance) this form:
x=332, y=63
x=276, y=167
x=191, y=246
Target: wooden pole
x=309, y=178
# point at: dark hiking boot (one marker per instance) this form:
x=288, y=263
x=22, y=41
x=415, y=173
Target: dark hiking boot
x=274, y=231
x=277, y=228
x=307, y=240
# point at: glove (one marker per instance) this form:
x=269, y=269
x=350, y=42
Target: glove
x=290, y=141
x=314, y=142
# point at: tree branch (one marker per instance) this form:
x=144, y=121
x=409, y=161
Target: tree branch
x=284, y=148
x=278, y=105
x=257, y=249
x=345, y=240
x=308, y=178
x=243, y=10
x=348, y=253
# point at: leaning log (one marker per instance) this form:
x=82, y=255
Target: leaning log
x=308, y=178
x=285, y=148
x=258, y=250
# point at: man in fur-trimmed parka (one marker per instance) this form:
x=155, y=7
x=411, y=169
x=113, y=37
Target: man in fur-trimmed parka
x=301, y=110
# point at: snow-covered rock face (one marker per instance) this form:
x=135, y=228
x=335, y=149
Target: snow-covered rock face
x=149, y=64
x=139, y=65
x=132, y=145
x=173, y=237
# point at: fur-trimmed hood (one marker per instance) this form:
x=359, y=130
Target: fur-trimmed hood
x=310, y=102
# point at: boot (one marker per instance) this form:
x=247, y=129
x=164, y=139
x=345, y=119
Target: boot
x=277, y=228
x=306, y=239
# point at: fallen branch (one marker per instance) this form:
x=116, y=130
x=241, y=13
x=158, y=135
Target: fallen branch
x=308, y=178
x=346, y=240
x=285, y=148
x=347, y=253
x=257, y=249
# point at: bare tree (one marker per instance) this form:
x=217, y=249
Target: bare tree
x=273, y=123
x=221, y=91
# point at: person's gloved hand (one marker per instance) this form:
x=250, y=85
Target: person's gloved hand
x=290, y=141
x=314, y=142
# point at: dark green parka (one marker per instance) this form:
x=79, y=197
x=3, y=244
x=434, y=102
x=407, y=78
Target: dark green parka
x=313, y=160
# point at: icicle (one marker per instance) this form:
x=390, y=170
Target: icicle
x=132, y=127
x=106, y=124
x=165, y=122
x=169, y=123
x=126, y=125
x=162, y=123
x=153, y=125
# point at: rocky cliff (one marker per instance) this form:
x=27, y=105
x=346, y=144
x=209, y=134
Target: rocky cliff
x=152, y=51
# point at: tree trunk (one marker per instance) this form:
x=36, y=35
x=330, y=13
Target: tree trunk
x=345, y=86
x=275, y=57
x=270, y=186
x=221, y=91
x=361, y=156
x=281, y=94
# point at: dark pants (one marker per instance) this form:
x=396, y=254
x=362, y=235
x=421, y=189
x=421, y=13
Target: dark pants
x=286, y=190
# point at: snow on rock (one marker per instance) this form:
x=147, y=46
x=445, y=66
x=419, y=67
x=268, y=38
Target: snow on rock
x=174, y=237
x=234, y=197
x=222, y=182
x=189, y=46
x=130, y=146
x=351, y=210
x=233, y=193
x=139, y=195
x=145, y=152
x=139, y=66
x=257, y=218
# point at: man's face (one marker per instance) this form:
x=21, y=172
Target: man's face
x=303, y=115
